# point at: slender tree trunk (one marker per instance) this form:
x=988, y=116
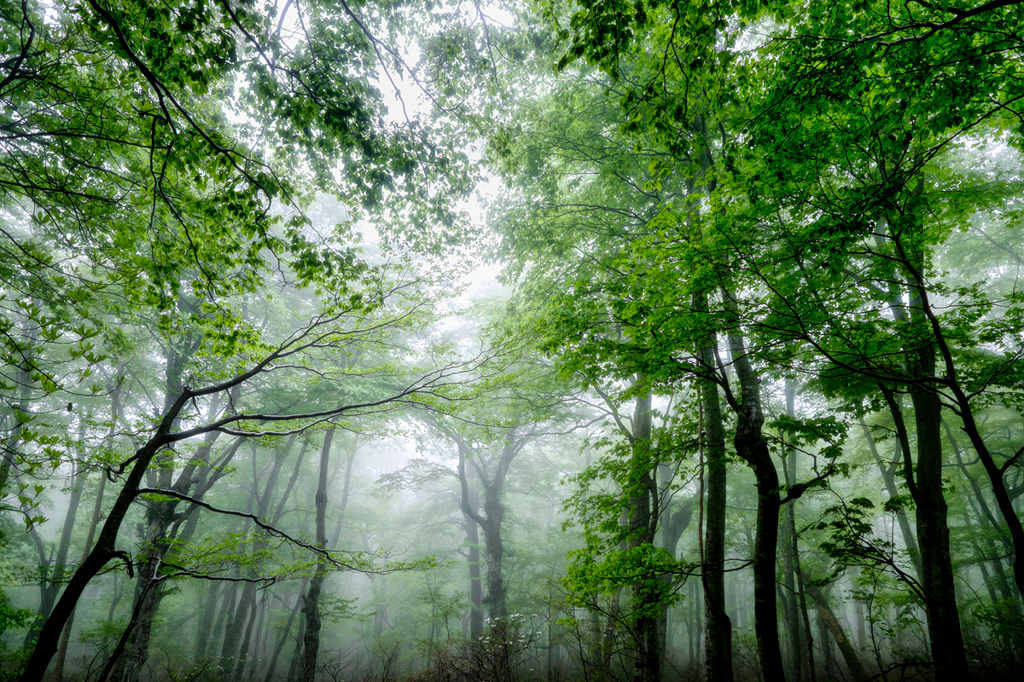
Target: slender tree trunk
x=299, y=601
x=311, y=637
x=49, y=586
x=97, y=511
x=889, y=478
x=797, y=655
x=981, y=505
x=233, y=634
x=805, y=617
x=674, y=524
x=838, y=634
x=254, y=611
x=293, y=667
x=718, y=642
x=204, y=630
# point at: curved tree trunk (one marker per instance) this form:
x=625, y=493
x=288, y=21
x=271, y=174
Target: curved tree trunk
x=753, y=449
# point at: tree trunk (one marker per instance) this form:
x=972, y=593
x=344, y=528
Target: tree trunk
x=494, y=553
x=204, y=631
x=476, y=617
x=718, y=642
x=234, y=631
x=311, y=637
x=105, y=550
x=272, y=666
x=50, y=586
x=979, y=504
x=97, y=510
x=646, y=599
x=753, y=449
x=838, y=634
x=889, y=478
x=937, y=580
x=797, y=656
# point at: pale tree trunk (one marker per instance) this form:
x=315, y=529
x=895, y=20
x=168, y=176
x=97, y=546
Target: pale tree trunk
x=476, y=617
x=272, y=666
x=847, y=650
x=300, y=600
x=888, y=477
x=49, y=586
x=674, y=523
x=233, y=637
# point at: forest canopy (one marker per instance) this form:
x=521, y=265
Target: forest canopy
x=743, y=402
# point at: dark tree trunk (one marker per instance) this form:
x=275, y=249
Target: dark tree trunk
x=753, y=449
x=494, y=512
x=937, y=580
x=311, y=637
x=104, y=551
x=646, y=597
x=718, y=642
x=981, y=505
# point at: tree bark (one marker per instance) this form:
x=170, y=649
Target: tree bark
x=272, y=666
x=49, y=586
x=97, y=510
